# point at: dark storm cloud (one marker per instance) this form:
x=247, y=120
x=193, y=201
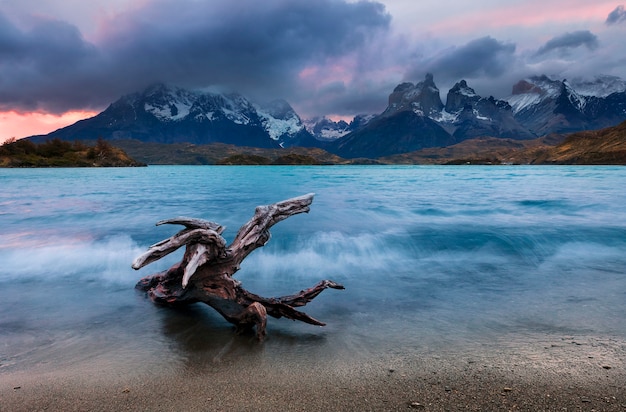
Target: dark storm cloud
x=568, y=41
x=249, y=46
x=480, y=57
x=37, y=64
x=616, y=16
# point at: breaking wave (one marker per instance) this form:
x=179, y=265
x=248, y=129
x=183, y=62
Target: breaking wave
x=106, y=259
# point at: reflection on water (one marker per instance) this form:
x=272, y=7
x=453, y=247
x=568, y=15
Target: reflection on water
x=431, y=257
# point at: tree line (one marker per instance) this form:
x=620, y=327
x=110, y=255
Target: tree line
x=60, y=153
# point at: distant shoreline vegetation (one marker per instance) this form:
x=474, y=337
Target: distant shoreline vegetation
x=59, y=153
x=598, y=147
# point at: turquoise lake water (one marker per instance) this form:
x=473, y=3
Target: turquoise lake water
x=432, y=257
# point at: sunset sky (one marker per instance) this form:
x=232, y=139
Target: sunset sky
x=63, y=60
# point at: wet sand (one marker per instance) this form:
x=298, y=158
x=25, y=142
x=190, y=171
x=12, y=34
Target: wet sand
x=553, y=373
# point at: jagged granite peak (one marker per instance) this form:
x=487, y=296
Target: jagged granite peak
x=422, y=98
x=488, y=117
x=468, y=115
x=400, y=132
x=459, y=96
x=360, y=120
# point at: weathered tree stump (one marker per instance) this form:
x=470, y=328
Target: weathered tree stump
x=205, y=274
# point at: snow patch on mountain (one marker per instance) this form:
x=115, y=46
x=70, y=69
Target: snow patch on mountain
x=533, y=91
x=326, y=129
x=172, y=112
x=333, y=134
x=237, y=109
x=445, y=117
x=520, y=102
x=598, y=86
x=279, y=119
x=576, y=99
x=479, y=116
x=277, y=128
x=168, y=103
x=467, y=91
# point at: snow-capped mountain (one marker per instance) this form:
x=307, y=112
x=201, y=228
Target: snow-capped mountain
x=538, y=106
x=421, y=98
x=598, y=86
x=544, y=105
x=168, y=114
x=327, y=130
x=465, y=114
x=468, y=115
x=416, y=118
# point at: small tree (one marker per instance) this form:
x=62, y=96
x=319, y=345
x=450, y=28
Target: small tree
x=54, y=148
x=103, y=148
x=9, y=141
x=13, y=147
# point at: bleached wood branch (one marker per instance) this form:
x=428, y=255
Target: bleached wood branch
x=205, y=272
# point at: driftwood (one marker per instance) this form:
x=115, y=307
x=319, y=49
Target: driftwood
x=205, y=273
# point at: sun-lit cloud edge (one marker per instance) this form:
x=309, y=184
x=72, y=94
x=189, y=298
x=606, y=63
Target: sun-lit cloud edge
x=19, y=125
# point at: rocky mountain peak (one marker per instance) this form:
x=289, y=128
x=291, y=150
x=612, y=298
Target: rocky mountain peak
x=459, y=96
x=421, y=98
x=326, y=129
x=166, y=103
x=279, y=109
x=524, y=87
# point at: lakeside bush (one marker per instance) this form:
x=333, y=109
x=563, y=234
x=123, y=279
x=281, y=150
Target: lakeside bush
x=60, y=153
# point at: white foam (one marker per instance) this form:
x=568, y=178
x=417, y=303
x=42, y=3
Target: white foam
x=107, y=259
x=328, y=254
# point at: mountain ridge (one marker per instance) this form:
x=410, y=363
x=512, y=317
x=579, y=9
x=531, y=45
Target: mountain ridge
x=415, y=117
x=538, y=106
x=168, y=114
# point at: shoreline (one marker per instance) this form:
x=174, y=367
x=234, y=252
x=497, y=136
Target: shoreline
x=545, y=373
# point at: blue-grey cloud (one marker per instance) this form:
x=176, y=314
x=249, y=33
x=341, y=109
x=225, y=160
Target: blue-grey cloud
x=49, y=62
x=616, y=16
x=485, y=56
x=249, y=46
x=569, y=41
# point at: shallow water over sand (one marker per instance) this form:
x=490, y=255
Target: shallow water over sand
x=432, y=258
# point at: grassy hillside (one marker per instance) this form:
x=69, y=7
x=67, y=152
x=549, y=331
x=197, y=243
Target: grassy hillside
x=58, y=153
x=481, y=150
x=599, y=147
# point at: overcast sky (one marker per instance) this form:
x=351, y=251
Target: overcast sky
x=61, y=60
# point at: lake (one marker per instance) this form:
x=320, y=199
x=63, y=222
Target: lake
x=433, y=258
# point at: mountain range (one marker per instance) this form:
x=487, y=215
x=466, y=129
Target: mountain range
x=169, y=114
x=415, y=117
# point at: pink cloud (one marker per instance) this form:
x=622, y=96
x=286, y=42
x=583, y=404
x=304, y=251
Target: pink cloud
x=527, y=14
x=18, y=125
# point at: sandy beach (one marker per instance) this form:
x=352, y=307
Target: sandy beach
x=546, y=374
